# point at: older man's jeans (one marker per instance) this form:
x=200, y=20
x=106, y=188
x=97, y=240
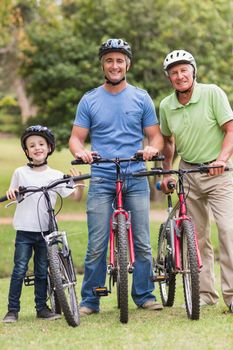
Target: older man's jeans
x=25, y=244
x=101, y=199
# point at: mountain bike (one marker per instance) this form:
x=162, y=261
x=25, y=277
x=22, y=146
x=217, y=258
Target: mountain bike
x=178, y=250
x=121, y=243
x=61, y=271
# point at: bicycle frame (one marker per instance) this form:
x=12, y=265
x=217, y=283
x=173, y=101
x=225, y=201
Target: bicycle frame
x=181, y=207
x=119, y=209
x=121, y=243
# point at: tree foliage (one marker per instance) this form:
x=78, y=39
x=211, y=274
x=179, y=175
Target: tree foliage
x=60, y=61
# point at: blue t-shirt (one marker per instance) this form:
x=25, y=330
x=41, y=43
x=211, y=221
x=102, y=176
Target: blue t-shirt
x=116, y=123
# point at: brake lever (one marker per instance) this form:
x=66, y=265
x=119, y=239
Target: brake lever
x=11, y=203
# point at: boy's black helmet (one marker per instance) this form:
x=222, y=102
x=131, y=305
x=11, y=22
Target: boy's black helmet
x=39, y=130
x=115, y=45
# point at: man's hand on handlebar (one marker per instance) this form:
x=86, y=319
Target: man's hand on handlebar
x=168, y=184
x=217, y=171
x=85, y=155
x=148, y=152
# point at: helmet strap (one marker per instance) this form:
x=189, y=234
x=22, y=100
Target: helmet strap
x=113, y=83
x=31, y=165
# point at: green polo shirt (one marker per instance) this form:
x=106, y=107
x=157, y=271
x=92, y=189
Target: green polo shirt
x=196, y=126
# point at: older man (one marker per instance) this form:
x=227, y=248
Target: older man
x=198, y=119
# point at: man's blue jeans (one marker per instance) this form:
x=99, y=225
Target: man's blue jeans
x=101, y=198
x=25, y=244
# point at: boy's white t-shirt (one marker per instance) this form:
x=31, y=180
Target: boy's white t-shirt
x=26, y=217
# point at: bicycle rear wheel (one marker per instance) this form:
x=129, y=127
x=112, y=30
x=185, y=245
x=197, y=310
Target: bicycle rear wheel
x=165, y=267
x=64, y=285
x=190, y=270
x=122, y=264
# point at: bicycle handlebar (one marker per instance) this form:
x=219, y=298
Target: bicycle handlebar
x=65, y=179
x=159, y=171
x=3, y=199
x=138, y=157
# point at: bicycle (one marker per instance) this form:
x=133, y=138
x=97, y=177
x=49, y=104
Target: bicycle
x=61, y=271
x=178, y=250
x=121, y=244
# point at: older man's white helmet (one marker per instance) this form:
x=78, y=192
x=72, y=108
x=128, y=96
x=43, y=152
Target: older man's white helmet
x=178, y=57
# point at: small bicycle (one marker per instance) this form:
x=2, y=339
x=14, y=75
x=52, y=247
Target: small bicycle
x=178, y=250
x=61, y=272
x=121, y=246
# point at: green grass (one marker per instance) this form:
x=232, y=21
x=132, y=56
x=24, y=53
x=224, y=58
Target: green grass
x=167, y=329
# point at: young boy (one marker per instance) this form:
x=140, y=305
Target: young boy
x=38, y=143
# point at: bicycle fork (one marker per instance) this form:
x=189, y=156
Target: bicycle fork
x=177, y=243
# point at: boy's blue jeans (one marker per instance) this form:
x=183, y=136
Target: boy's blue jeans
x=101, y=195
x=25, y=244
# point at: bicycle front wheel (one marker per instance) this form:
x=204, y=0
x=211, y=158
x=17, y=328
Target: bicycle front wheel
x=167, y=284
x=122, y=267
x=64, y=285
x=190, y=270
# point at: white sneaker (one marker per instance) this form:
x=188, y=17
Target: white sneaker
x=203, y=303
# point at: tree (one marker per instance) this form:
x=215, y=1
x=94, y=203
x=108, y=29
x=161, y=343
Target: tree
x=59, y=63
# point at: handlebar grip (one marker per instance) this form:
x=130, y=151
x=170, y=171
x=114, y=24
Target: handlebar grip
x=77, y=161
x=139, y=156
x=3, y=199
x=170, y=185
x=227, y=168
x=159, y=158
x=81, y=177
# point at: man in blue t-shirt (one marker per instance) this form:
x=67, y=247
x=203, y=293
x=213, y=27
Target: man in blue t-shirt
x=117, y=115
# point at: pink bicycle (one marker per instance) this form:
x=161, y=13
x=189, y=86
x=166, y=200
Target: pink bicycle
x=121, y=246
x=178, y=251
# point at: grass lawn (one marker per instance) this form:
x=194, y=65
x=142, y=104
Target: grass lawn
x=167, y=329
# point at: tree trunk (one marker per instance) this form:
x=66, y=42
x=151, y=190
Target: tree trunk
x=25, y=103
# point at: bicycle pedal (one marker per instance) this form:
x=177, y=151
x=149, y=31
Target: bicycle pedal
x=100, y=291
x=29, y=280
x=158, y=278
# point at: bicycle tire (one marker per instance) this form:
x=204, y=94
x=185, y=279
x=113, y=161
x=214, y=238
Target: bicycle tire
x=164, y=259
x=190, y=270
x=64, y=286
x=117, y=279
x=52, y=295
x=122, y=263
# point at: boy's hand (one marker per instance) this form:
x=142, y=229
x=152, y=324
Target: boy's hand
x=78, y=193
x=73, y=172
x=11, y=193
